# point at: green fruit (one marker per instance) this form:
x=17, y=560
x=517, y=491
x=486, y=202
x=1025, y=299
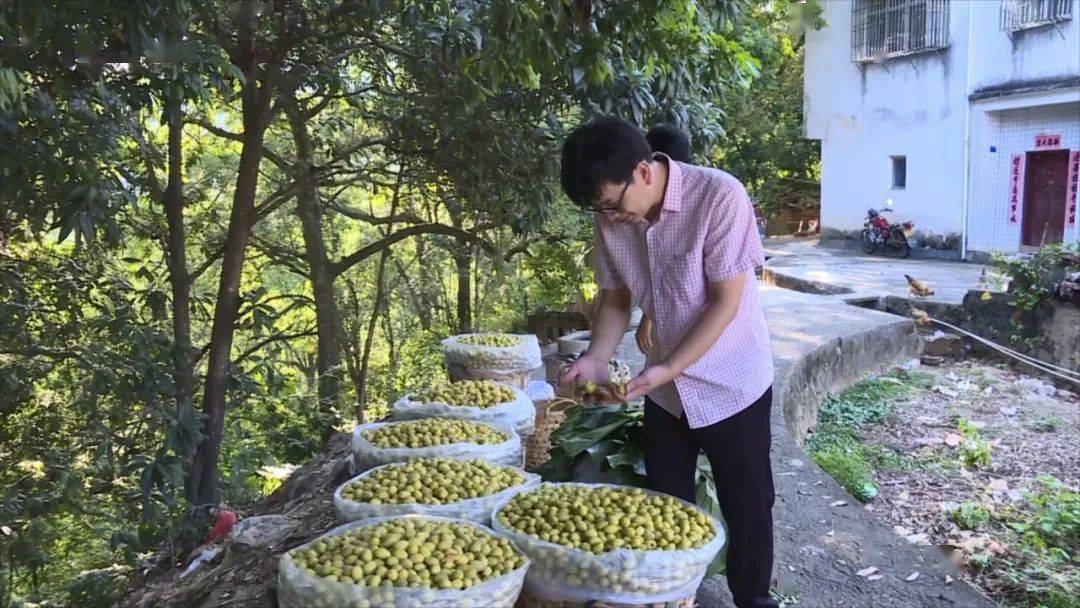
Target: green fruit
x=455, y=550
x=434, y=431
x=431, y=481
x=495, y=340
x=472, y=393
x=601, y=518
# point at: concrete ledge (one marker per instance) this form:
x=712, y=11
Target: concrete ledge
x=837, y=364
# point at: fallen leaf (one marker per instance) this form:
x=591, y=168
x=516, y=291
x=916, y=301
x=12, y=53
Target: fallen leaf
x=6, y=530
x=912, y=576
x=995, y=548
x=838, y=503
x=903, y=495
x=948, y=579
x=953, y=439
x=1009, y=411
x=831, y=533
x=901, y=530
x=998, y=485
x=791, y=568
x=875, y=577
x=866, y=571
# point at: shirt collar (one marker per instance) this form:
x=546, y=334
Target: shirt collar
x=674, y=189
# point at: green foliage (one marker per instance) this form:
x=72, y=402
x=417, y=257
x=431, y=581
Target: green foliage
x=102, y=588
x=848, y=466
x=970, y=515
x=974, y=450
x=1043, y=569
x=835, y=443
x=1030, y=279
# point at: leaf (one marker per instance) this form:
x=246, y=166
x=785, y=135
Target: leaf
x=602, y=450
x=866, y=571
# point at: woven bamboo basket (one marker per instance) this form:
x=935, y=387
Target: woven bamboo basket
x=528, y=601
x=549, y=415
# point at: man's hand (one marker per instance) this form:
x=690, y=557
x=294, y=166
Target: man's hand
x=643, y=335
x=585, y=369
x=649, y=379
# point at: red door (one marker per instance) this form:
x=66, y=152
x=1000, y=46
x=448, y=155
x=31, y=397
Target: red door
x=1044, y=198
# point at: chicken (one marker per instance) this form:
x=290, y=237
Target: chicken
x=921, y=318
x=918, y=288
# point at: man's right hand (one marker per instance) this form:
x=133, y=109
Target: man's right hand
x=585, y=369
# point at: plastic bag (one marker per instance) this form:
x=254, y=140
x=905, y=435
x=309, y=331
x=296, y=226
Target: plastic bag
x=367, y=455
x=297, y=589
x=501, y=359
x=474, y=509
x=563, y=573
x=538, y=390
x=519, y=413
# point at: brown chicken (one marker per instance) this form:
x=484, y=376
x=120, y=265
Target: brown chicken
x=918, y=288
x=921, y=318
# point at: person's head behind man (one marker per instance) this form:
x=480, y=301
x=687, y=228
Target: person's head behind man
x=607, y=167
x=670, y=140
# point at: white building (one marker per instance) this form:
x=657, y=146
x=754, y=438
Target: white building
x=965, y=113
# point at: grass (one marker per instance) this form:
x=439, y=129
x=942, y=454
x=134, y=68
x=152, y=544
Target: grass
x=1043, y=565
x=835, y=444
x=970, y=515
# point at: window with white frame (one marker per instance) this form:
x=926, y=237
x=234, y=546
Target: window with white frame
x=1023, y=14
x=882, y=29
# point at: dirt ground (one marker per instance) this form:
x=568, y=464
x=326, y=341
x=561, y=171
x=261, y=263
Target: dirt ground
x=1031, y=430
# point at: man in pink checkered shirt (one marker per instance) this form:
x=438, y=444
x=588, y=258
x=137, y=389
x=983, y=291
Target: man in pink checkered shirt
x=682, y=241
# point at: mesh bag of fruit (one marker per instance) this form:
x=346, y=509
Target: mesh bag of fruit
x=372, y=563
x=382, y=443
x=609, y=543
x=461, y=489
x=480, y=400
x=503, y=353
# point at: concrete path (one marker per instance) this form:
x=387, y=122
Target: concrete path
x=854, y=275
x=822, y=345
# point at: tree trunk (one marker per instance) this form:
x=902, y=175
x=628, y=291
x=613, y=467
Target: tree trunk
x=179, y=280
x=380, y=286
x=256, y=96
x=463, y=261
x=319, y=272
x=424, y=299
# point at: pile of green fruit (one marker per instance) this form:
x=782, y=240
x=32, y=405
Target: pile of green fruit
x=410, y=552
x=603, y=518
x=434, y=431
x=431, y=481
x=496, y=340
x=475, y=393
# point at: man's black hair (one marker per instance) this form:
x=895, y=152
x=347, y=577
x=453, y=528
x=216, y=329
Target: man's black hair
x=603, y=151
x=670, y=140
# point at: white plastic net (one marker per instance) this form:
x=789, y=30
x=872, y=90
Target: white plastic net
x=525, y=355
x=473, y=509
x=367, y=455
x=298, y=589
x=561, y=573
x=519, y=413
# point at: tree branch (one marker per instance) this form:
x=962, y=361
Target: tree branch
x=355, y=214
x=269, y=154
x=279, y=337
x=367, y=251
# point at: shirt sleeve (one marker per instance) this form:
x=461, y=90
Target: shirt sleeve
x=607, y=276
x=732, y=245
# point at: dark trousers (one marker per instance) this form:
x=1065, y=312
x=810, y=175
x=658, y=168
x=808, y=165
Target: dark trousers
x=738, y=450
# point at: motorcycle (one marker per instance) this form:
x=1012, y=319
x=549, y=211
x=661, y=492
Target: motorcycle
x=878, y=232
